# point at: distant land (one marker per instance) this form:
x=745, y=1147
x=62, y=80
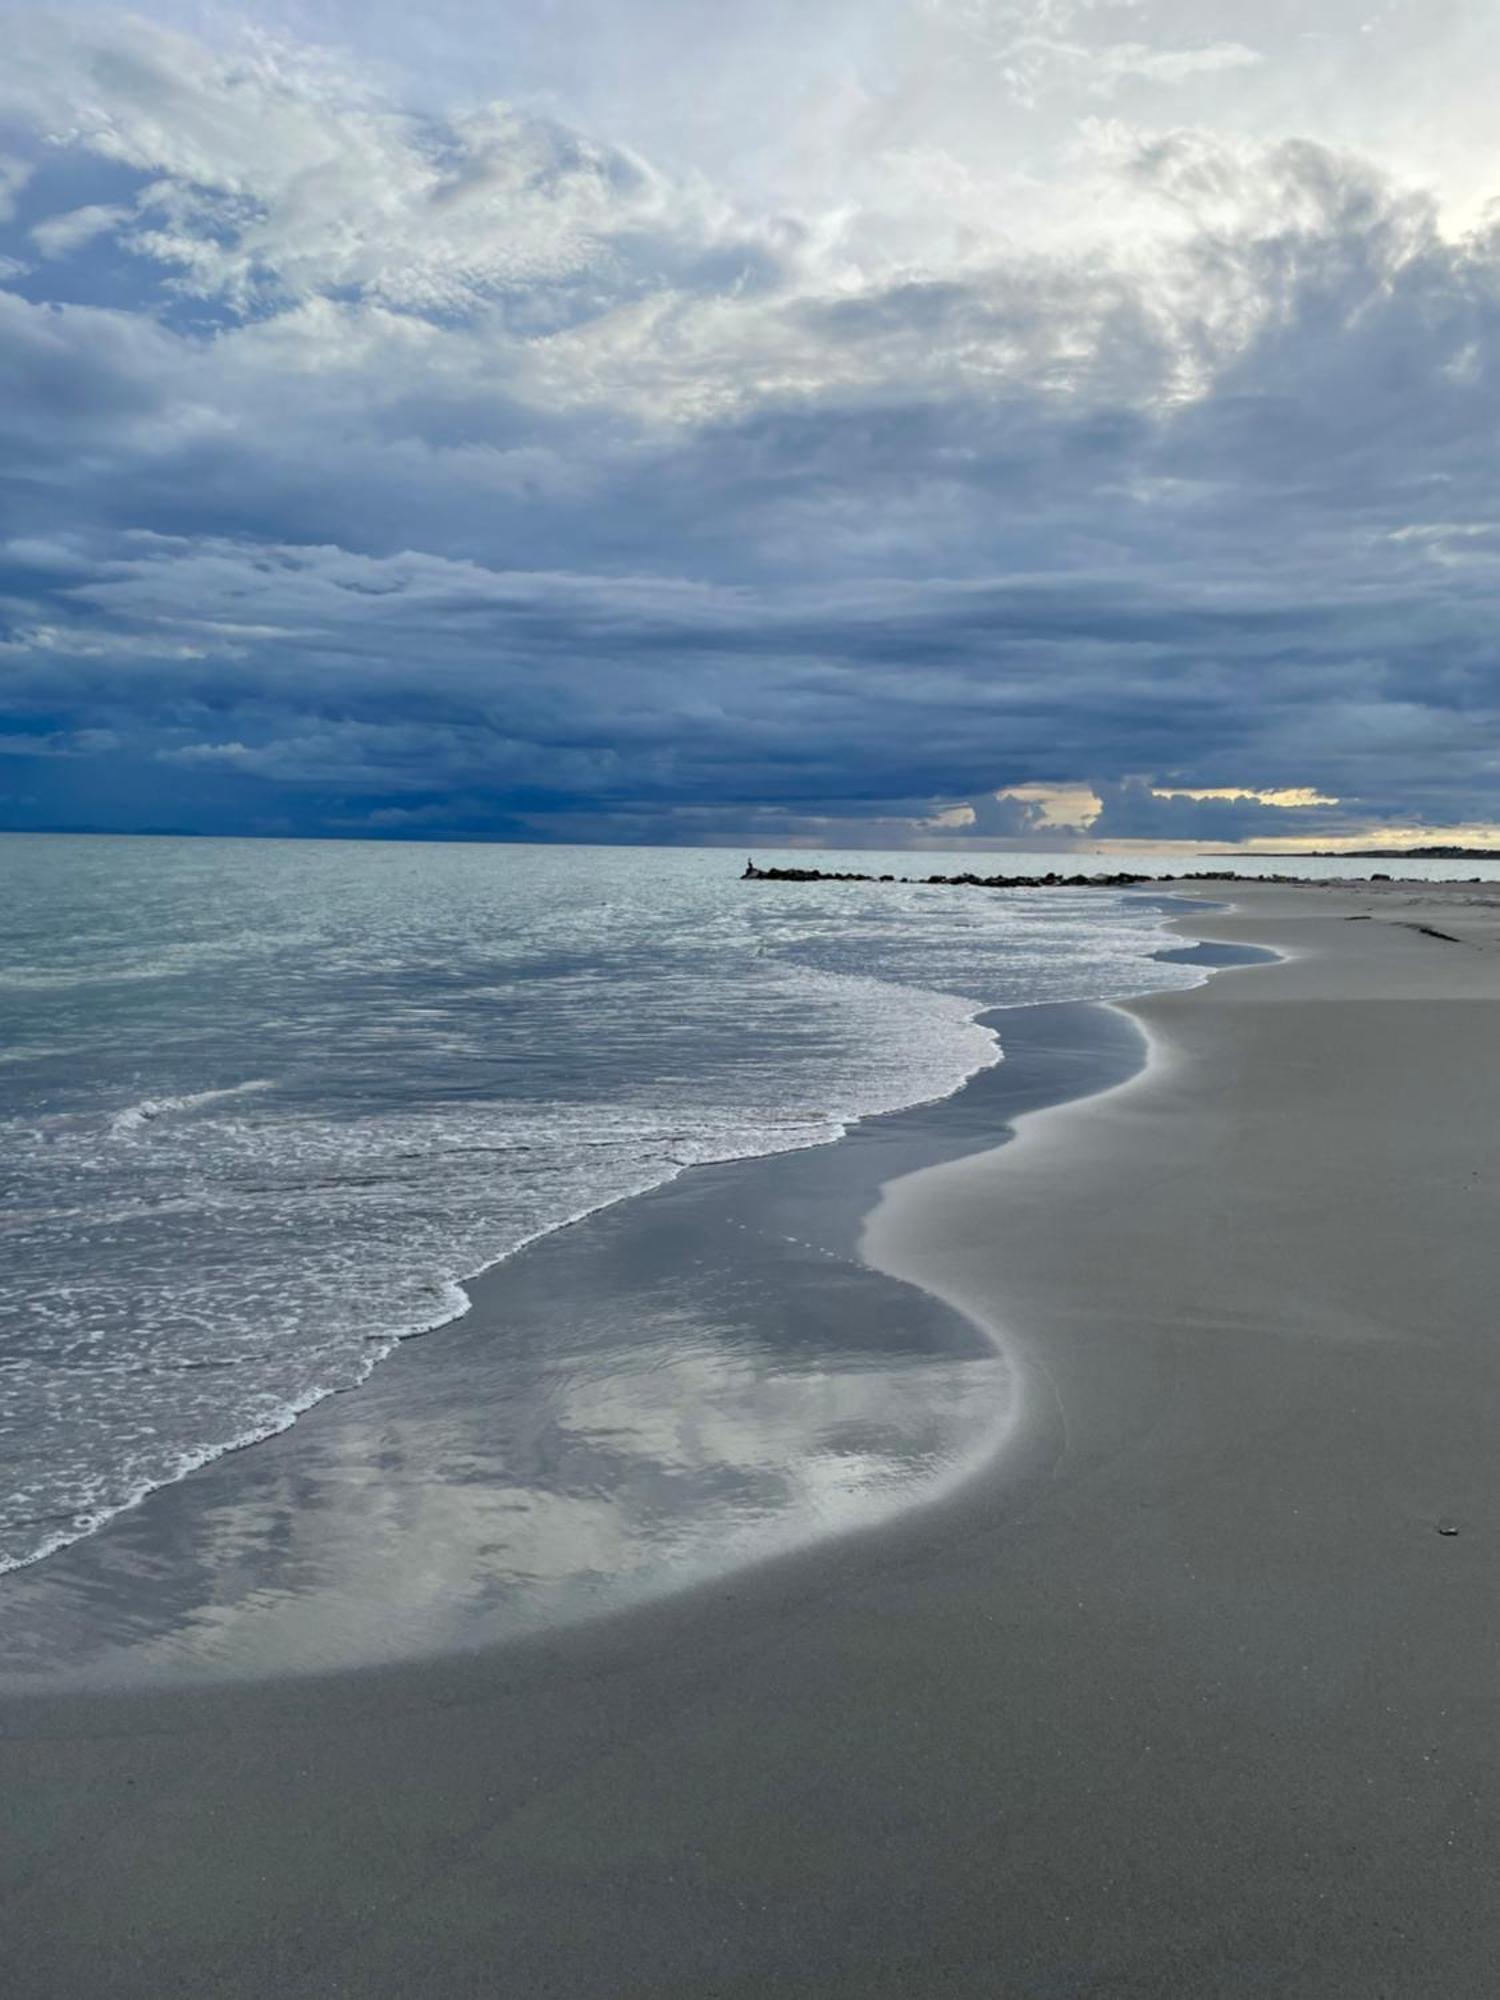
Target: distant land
x=1354, y=853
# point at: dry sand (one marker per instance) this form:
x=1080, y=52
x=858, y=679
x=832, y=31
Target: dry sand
x=1188, y=1694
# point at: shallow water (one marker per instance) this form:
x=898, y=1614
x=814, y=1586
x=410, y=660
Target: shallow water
x=265, y=1105
x=672, y=1389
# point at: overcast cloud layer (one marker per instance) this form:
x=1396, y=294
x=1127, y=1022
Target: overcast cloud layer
x=609, y=421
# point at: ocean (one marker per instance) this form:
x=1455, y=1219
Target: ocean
x=265, y=1106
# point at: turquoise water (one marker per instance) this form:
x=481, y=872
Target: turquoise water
x=266, y=1105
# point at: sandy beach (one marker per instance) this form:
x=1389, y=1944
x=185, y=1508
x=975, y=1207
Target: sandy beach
x=1191, y=1690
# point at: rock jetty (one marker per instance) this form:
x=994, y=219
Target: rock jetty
x=1119, y=880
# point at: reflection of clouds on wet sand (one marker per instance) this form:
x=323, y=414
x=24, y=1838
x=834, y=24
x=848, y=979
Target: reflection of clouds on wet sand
x=613, y=1477
x=676, y=1387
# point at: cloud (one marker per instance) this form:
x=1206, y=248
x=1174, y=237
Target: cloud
x=1001, y=816
x=1039, y=47
x=57, y=743
x=270, y=174
x=14, y=174
x=373, y=461
x=59, y=235
x=1133, y=810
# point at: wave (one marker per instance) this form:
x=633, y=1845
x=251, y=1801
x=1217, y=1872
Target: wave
x=79, y=1522
x=890, y=1043
x=136, y=1116
x=451, y=1296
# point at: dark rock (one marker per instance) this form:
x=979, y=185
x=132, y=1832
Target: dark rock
x=1120, y=879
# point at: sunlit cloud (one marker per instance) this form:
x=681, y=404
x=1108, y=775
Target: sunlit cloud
x=1289, y=798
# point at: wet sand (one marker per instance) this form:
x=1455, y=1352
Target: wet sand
x=1191, y=1690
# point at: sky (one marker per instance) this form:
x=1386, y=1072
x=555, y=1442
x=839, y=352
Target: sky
x=880, y=423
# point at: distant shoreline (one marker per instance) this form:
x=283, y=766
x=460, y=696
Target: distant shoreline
x=1366, y=854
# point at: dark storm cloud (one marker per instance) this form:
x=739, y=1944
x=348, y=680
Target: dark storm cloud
x=1133, y=811
x=398, y=475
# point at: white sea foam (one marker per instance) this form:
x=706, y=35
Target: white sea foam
x=136, y=1116
x=453, y=1052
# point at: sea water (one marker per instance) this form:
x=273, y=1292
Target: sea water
x=264, y=1106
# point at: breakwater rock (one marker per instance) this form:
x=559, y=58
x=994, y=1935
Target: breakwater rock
x=1121, y=879
x=1118, y=880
